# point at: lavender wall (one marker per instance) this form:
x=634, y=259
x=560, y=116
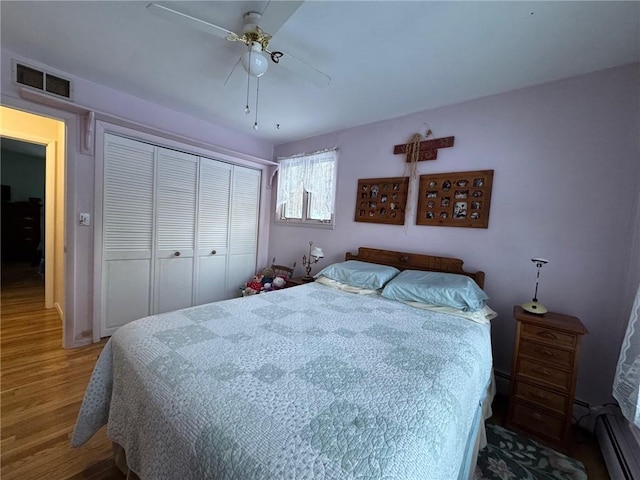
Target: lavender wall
x=79, y=241
x=567, y=171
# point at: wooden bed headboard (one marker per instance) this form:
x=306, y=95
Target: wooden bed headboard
x=414, y=261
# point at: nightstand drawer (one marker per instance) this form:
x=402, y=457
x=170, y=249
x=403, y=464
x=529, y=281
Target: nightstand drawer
x=549, y=336
x=542, y=397
x=546, y=353
x=545, y=374
x=536, y=421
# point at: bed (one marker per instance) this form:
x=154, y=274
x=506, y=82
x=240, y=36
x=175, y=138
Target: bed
x=306, y=382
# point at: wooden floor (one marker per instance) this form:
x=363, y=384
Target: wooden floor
x=42, y=386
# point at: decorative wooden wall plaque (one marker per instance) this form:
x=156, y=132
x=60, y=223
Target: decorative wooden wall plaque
x=456, y=199
x=382, y=200
x=427, y=150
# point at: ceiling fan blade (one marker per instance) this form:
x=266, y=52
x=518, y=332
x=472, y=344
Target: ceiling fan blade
x=304, y=70
x=189, y=21
x=276, y=13
x=236, y=76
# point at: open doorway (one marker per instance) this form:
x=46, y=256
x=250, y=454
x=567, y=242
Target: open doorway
x=22, y=174
x=49, y=134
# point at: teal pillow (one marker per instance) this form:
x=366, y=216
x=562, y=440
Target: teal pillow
x=359, y=274
x=446, y=289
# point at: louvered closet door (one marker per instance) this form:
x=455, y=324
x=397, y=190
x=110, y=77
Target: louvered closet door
x=243, y=227
x=214, y=191
x=127, y=231
x=175, y=226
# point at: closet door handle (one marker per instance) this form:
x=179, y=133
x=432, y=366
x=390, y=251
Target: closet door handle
x=213, y=252
x=177, y=254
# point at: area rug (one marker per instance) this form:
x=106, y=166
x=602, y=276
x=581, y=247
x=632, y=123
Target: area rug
x=509, y=456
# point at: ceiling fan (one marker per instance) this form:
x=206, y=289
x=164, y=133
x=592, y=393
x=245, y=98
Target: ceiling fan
x=256, y=39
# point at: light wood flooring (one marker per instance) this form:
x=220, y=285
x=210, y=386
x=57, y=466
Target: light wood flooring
x=42, y=386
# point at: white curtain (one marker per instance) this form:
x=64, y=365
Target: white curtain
x=626, y=385
x=320, y=169
x=313, y=173
x=290, y=176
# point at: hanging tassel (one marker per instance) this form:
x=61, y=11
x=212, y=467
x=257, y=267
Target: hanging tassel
x=413, y=153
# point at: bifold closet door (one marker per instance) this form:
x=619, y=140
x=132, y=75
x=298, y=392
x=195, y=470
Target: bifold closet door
x=127, y=232
x=243, y=228
x=176, y=192
x=214, y=196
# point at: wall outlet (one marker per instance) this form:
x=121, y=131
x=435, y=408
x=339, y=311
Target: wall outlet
x=85, y=219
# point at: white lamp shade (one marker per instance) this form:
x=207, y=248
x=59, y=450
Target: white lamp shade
x=317, y=252
x=254, y=62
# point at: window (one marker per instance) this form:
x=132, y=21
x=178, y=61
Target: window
x=307, y=188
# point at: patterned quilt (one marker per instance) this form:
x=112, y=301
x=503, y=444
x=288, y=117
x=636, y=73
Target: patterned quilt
x=306, y=382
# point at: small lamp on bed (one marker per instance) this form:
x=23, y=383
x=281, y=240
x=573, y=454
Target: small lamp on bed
x=534, y=306
x=315, y=254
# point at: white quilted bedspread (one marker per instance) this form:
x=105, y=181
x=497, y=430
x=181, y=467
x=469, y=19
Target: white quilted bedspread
x=307, y=382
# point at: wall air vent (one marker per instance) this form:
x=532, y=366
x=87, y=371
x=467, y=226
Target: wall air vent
x=43, y=81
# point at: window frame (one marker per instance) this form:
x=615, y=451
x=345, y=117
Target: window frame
x=305, y=221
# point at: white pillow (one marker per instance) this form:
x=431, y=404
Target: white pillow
x=329, y=282
x=483, y=316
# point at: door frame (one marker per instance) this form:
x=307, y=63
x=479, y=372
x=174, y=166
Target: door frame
x=51, y=132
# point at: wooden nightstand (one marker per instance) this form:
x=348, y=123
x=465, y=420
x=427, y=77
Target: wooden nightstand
x=543, y=376
x=293, y=282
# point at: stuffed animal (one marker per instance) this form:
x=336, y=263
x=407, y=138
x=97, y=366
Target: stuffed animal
x=278, y=282
x=267, y=275
x=262, y=281
x=248, y=291
x=256, y=283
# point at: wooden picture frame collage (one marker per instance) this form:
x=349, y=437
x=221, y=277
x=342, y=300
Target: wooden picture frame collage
x=459, y=199
x=453, y=199
x=382, y=200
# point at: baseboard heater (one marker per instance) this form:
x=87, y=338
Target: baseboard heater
x=620, y=446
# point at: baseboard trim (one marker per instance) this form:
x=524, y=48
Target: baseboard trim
x=59, y=310
x=618, y=445
x=503, y=381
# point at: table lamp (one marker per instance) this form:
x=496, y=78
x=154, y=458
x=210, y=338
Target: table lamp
x=315, y=254
x=534, y=306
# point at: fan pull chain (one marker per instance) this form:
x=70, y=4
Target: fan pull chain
x=247, y=110
x=255, y=124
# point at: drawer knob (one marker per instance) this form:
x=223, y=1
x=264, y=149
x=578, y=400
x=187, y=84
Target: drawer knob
x=543, y=371
x=548, y=335
x=213, y=252
x=536, y=416
x=177, y=254
x=542, y=396
x=547, y=352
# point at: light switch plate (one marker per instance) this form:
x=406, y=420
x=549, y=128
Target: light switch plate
x=85, y=219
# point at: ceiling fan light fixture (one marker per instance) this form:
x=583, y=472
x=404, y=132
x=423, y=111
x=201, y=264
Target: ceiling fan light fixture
x=254, y=62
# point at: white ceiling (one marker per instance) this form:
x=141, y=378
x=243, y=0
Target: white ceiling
x=385, y=58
